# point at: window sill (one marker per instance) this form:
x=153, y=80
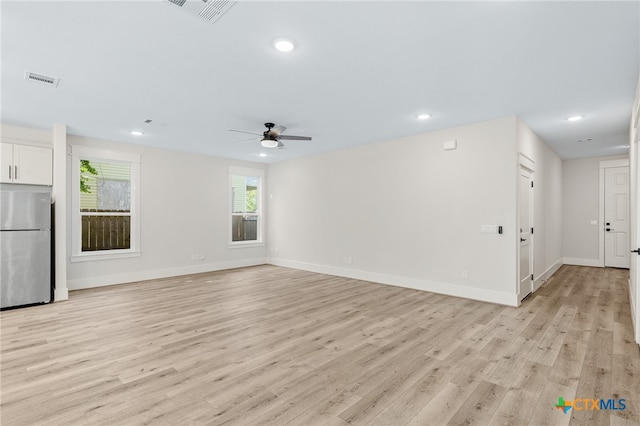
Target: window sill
x=246, y=244
x=89, y=257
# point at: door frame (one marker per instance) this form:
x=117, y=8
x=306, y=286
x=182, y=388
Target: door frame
x=525, y=163
x=634, y=232
x=602, y=165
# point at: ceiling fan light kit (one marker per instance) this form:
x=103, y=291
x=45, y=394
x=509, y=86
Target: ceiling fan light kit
x=272, y=136
x=269, y=142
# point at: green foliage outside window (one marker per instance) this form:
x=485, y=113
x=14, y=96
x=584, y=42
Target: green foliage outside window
x=252, y=199
x=86, y=168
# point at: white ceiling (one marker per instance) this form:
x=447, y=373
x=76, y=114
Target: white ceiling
x=360, y=73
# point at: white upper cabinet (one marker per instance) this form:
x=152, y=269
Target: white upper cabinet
x=6, y=159
x=26, y=164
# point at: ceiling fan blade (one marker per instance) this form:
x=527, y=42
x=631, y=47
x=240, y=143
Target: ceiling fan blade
x=280, y=145
x=295, y=138
x=243, y=131
x=246, y=140
x=277, y=130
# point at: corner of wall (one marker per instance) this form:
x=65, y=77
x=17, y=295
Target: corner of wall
x=59, y=196
x=544, y=277
x=448, y=289
x=114, y=279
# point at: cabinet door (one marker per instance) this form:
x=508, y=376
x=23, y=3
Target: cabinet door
x=32, y=165
x=6, y=162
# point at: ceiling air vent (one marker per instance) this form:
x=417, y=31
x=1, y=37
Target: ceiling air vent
x=209, y=10
x=215, y=8
x=42, y=79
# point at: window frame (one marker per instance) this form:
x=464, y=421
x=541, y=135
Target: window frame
x=260, y=176
x=103, y=155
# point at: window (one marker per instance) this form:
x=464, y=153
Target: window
x=104, y=200
x=246, y=200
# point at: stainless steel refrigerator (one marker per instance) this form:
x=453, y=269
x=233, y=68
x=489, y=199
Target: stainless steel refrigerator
x=25, y=245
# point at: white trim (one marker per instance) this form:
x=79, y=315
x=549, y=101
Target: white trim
x=246, y=244
x=246, y=171
x=60, y=193
x=108, y=154
x=467, y=292
x=605, y=164
x=61, y=294
x=582, y=262
x=526, y=161
x=104, y=255
x=632, y=302
x=105, y=280
x=260, y=213
x=544, y=277
x=133, y=159
x=527, y=165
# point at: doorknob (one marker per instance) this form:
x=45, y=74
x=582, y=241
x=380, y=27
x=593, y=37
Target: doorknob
x=522, y=240
x=635, y=251
x=609, y=229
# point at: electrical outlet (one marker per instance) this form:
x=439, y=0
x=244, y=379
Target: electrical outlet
x=465, y=274
x=350, y=260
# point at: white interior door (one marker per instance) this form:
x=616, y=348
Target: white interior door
x=525, y=222
x=616, y=217
x=634, y=273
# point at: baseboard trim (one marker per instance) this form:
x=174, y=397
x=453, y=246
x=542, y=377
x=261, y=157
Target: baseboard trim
x=105, y=280
x=582, y=262
x=484, y=295
x=634, y=320
x=547, y=274
x=61, y=294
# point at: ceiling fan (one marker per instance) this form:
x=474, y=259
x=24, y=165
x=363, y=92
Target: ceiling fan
x=271, y=138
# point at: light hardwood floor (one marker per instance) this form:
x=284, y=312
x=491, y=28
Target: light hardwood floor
x=270, y=345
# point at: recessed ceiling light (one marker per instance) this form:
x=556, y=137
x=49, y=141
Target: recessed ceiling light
x=283, y=45
x=136, y=133
x=262, y=154
x=584, y=140
x=575, y=118
x=423, y=116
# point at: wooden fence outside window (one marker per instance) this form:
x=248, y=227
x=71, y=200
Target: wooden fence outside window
x=244, y=228
x=105, y=232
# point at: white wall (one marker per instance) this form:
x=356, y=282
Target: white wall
x=548, y=194
x=184, y=210
x=404, y=212
x=581, y=188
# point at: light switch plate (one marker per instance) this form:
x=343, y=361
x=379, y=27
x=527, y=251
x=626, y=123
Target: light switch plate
x=489, y=229
x=594, y=222
x=450, y=145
